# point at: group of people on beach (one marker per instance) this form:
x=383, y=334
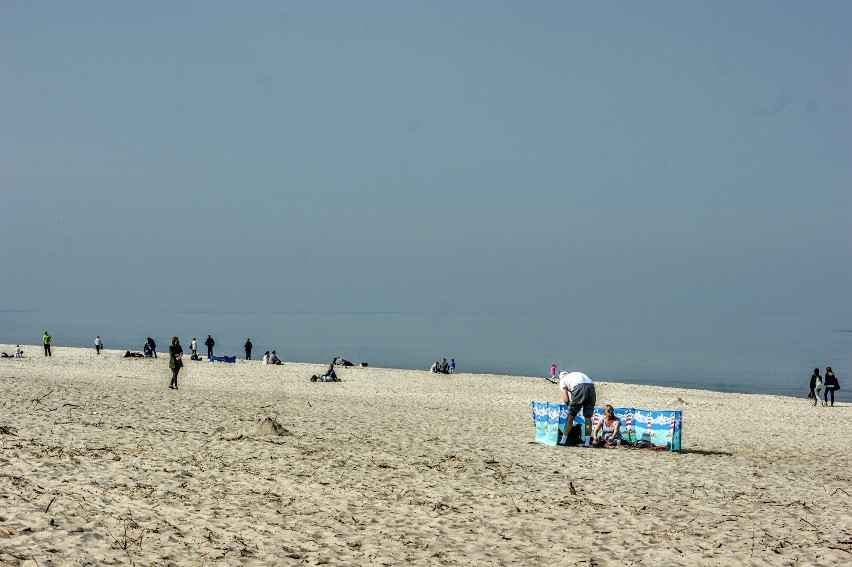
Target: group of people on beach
x=828, y=384
x=444, y=367
x=578, y=393
x=18, y=353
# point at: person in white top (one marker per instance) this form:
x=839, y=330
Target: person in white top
x=98, y=344
x=18, y=352
x=578, y=392
x=193, y=346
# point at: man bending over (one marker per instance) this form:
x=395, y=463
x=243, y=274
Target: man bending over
x=578, y=392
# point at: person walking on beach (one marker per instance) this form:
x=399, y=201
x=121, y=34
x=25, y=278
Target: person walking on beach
x=193, y=346
x=553, y=372
x=175, y=361
x=209, y=344
x=153, y=346
x=248, y=346
x=46, y=341
x=452, y=366
x=578, y=392
x=816, y=385
x=831, y=384
x=98, y=344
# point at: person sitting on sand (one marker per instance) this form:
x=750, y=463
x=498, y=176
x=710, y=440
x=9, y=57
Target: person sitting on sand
x=18, y=352
x=445, y=367
x=434, y=368
x=608, y=431
x=273, y=358
x=147, y=350
x=329, y=376
x=266, y=357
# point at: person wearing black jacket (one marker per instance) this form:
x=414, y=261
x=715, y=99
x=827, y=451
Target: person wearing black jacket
x=209, y=343
x=815, y=385
x=248, y=346
x=831, y=384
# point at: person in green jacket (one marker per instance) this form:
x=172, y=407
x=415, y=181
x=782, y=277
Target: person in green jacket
x=46, y=340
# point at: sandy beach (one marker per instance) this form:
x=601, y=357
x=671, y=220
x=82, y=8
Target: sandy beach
x=103, y=464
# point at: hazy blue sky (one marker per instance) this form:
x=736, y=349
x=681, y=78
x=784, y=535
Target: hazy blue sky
x=544, y=156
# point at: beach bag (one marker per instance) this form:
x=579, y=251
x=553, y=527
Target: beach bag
x=575, y=435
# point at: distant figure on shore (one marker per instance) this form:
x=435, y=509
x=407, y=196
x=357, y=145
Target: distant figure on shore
x=445, y=367
x=830, y=385
x=266, y=357
x=341, y=362
x=18, y=352
x=273, y=358
x=209, y=343
x=578, y=391
x=452, y=366
x=608, y=431
x=153, y=346
x=98, y=344
x=175, y=361
x=248, y=346
x=46, y=340
x=329, y=376
x=815, y=385
x=434, y=369
x=146, y=350
x=193, y=346
x=553, y=368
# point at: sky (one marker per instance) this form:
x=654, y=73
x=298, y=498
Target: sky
x=474, y=156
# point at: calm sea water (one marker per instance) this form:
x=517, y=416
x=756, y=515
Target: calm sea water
x=764, y=353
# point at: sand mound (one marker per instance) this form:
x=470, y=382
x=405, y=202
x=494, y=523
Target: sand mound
x=677, y=401
x=266, y=426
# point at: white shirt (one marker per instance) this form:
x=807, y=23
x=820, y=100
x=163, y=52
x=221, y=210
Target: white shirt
x=570, y=379
x=98, y=341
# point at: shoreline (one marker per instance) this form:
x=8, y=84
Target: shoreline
x=29, y=349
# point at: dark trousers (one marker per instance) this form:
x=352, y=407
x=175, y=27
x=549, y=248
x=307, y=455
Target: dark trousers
x=248, y=354
x=174, y=377
x=210, y=352
x=47, y=350
x=98, y=349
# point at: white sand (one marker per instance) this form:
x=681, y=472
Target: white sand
x=397, y=467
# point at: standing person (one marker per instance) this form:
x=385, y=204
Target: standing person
x=209, y=344
x=815, y=385
x=175, y=361
x=193, y=346
x=153, y=346
x=831, y=384
x=248, y=346
x=553, y=372
x=578, y=391
x=452, y=366
x=98, y=344
x=46, y=338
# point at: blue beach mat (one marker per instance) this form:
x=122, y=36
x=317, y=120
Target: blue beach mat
x=660, y=428
x=231, y=359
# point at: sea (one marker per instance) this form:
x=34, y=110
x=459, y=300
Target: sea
x=767, y=353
